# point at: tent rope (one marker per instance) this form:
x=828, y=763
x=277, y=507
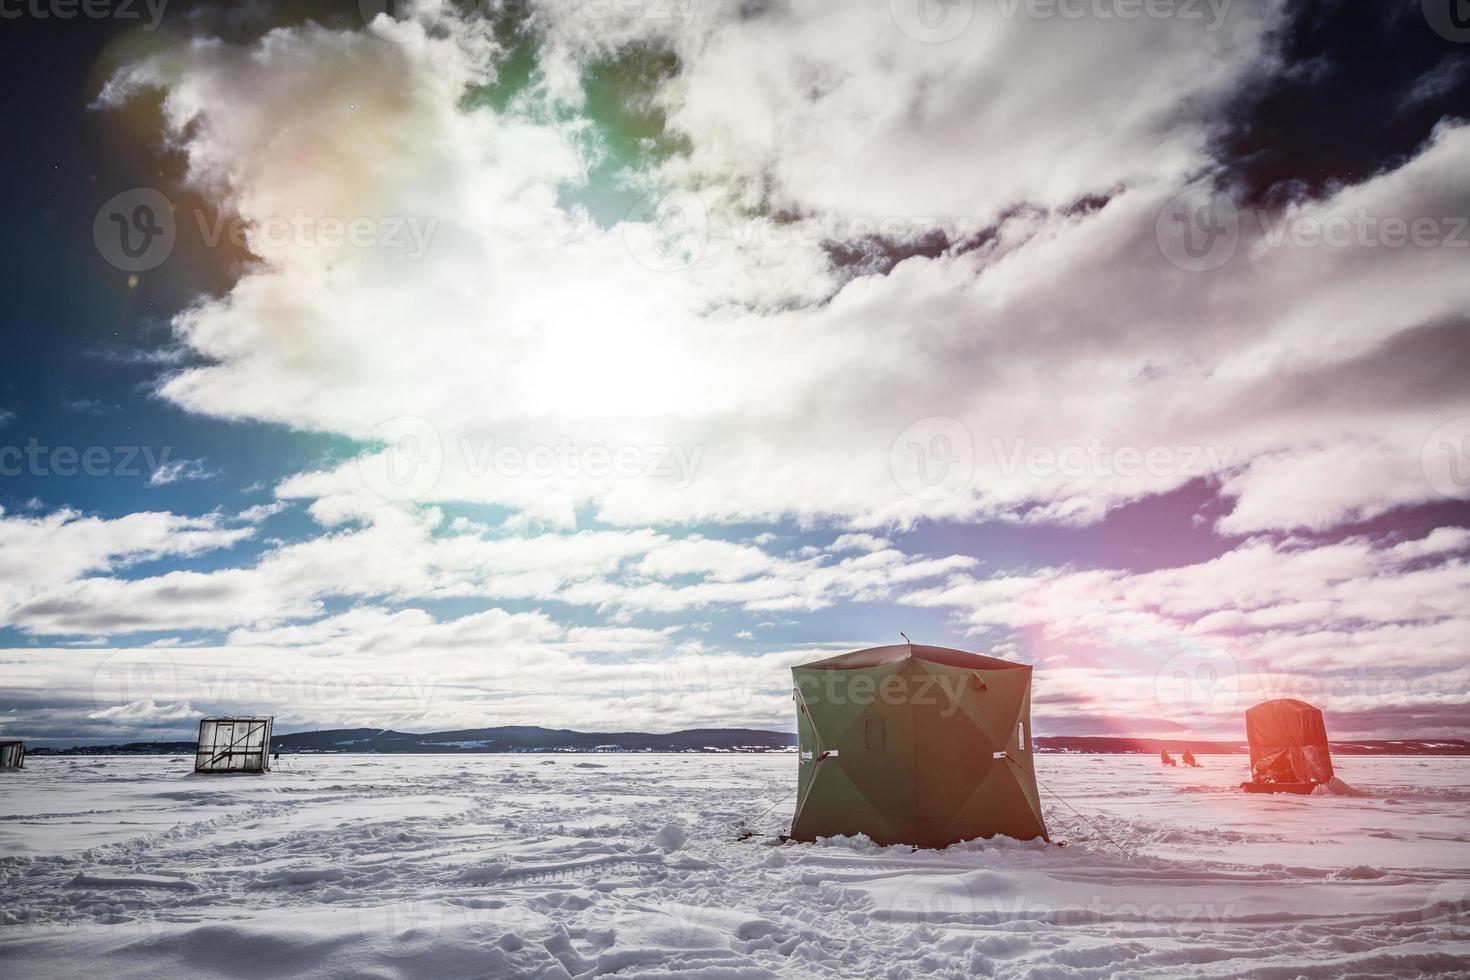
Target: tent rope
x=1069, y=806
x=764, y=813
x=819, y=752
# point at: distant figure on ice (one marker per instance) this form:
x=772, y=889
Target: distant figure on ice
x=1166, y=758
x=1189, y=759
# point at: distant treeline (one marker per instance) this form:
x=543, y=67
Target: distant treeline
x=1109, y=744
x=722, y=740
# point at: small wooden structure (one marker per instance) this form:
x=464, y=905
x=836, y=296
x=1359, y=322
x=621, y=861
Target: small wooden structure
x=234, y=745
x=12, y=754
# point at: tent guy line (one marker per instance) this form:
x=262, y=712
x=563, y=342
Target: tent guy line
x=1063, y=800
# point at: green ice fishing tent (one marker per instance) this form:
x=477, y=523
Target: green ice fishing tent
x=915, y=745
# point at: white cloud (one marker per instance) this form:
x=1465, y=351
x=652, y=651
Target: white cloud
x=616, y=571
x=408, y=670
x=176, y=470
x=1348, y=625
x=726, y=369
x=858, y=542
x=144, y=713
x=260, y=512
x=43, y=554
x=832, y=108
x=756, y=383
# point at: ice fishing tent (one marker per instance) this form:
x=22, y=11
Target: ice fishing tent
x=1288, y=740
x=12, y=754
x=234, y=745
x=915, y=745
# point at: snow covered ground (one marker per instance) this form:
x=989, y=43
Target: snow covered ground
x=576, y=865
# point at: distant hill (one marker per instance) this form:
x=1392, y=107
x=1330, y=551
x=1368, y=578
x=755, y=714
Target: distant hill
x=518, y=738
x=1153, y=746
x=532, y=739
x=503, y=739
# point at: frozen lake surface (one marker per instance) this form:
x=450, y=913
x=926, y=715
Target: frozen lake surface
x=628, y=866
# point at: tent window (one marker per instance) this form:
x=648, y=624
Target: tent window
x=874, y=733
x=1021, y=727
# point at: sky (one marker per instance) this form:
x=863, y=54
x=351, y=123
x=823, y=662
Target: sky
x=589, y=363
